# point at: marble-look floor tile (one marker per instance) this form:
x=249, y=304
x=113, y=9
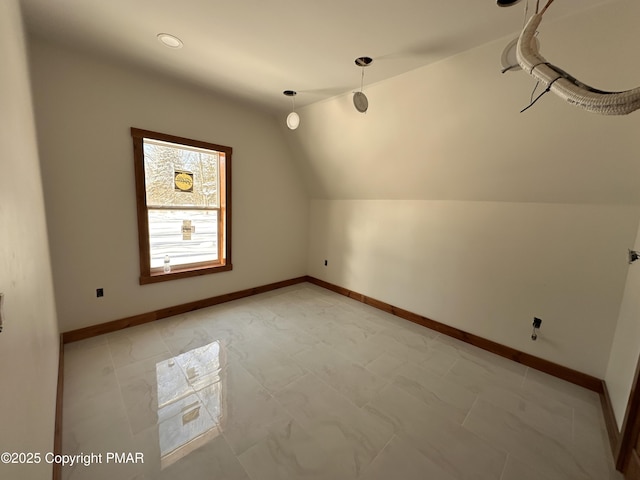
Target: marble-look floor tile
x=341, y=332
x=590, y=439
x=361, y=353
x=86, y=343
x=352, y=380
x=94, y=425
x=479, y=376
x=183, y=333
x=183, y=422
x=290, y=453
x=506, y=431
x=546, y=415
x=263, y=360
x=342, y=429
x=140, y=396
x=302, y=382
x=568, y=393
x=245, y=408
x=96, y=410
x=401, y=460
x=517, y=470
x=410, y=345
x=207, y=457
x=386, y=365
x=290, y=341
x=213, y=460
x=456, y=450
x=130, y=347
x=104, y=433
x=445, y=397
x=88, y=372
x=460, y=349
x=142, y=368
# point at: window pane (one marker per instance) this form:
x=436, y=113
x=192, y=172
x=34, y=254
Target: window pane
x=180, y=176
x=187, y=236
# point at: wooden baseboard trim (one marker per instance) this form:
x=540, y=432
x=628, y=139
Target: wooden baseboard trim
x=610, y=419
x=57, y=432
x=568, y=374
x=629, y=433
x=108, y=327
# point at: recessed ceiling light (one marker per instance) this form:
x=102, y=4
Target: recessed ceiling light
x=170, y=41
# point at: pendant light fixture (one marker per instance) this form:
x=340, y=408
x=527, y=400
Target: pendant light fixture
x=359, y=98
x=507, y=3
x=293, y=119
x=509, y=59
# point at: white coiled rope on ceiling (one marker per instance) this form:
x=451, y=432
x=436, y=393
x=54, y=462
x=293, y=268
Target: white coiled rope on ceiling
x=563, y=84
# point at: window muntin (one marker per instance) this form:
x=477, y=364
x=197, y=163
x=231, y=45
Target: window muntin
x=183, y=193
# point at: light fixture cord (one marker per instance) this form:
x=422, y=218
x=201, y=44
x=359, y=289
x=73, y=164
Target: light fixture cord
x=526, y=14
x=362, y=80
x=539, y=96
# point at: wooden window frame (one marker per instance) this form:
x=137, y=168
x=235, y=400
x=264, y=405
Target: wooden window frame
x=154, y=275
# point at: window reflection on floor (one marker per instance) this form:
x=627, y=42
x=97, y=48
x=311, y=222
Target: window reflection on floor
x=190, y=388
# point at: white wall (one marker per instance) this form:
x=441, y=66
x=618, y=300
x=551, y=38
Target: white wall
x=29, y=342
x=445, y=200
x=84, y=110
x=626, y=343
x=486, y=267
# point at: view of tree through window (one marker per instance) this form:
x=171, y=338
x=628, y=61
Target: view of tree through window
x=185, y=225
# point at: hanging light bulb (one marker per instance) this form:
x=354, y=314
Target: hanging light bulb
x=359, y=98
x=293, y=119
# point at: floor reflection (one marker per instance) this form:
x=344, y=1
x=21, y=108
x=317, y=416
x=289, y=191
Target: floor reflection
x=190, y=389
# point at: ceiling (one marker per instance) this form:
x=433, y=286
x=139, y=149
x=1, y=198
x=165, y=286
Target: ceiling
x=253, y=50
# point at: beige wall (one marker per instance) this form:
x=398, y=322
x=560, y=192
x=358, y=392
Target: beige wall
x=486, y=267
x=625, y=350
x=445, y=200
x=29, y=342
x=454, y=131
x=84, y=110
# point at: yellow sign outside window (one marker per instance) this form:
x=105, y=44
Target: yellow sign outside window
x=183, y=181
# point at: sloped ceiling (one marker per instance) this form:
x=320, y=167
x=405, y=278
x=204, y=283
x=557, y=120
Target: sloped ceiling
x=255, y=49
x=454, y=131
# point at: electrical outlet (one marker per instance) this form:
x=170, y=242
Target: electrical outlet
x=99, y=292
x=536, y=325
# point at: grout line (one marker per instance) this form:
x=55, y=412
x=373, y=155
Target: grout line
x=524, y=377
x=451, y=367
x=369, y=466
x=504, y=467
x=470, y=409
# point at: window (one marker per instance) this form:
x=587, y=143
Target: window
x=183, y=194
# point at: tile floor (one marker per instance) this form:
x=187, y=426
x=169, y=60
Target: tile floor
x=302, y=383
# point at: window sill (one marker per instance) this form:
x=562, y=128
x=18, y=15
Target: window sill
x=178, y=274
